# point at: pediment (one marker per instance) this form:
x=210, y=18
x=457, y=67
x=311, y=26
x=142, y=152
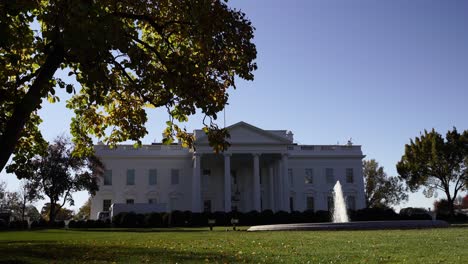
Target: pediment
x=243, y=133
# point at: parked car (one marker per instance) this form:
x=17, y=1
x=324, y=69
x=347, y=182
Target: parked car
x=104, y=215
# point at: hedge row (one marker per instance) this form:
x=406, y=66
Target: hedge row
x=18, y=224
x=267, y=217
x=189, y=219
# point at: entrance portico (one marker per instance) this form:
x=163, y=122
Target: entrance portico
x=256, y=163
x=240, y=181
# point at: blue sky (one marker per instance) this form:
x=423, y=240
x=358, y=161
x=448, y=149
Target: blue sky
x=377, y=71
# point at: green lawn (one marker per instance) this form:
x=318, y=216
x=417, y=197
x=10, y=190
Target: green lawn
x=198, y=245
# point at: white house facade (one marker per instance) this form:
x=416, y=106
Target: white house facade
x=262, y=169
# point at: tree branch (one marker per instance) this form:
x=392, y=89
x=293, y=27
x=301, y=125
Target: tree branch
x=29, y=103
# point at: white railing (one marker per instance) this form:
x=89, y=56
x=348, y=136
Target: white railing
x=325, y=148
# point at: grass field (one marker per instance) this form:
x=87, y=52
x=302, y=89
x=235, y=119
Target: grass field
x=198, y=245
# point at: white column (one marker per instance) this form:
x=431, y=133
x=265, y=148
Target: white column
x=256, y=182
x=271, y=190
x=279, y=186
x=227, y=182
x=285, y=181
x=196, y=188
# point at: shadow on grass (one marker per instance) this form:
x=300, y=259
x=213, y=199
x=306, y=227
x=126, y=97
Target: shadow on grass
x=29, y=251
x=157, y=230
x=140, y=230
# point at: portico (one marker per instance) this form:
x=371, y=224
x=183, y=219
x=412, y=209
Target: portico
x=253, y=169
x=248, y=181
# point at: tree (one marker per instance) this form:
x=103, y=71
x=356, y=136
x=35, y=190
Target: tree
x=12, y=202
x=59, y=173
x=2, y=193
x=126, y=55
x=380, y=189
x=27, y=194
x=85, y=210
x=33, y=213
x=465, y=202
x=17, y=201
x=61, y=213
x=442, y=206
x=436, y=164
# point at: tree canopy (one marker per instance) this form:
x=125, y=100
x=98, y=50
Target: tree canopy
x=380, y=189
x=61, y=213
x=85, y=210
x=57, y=174
x=436, y=164
x=126, y=55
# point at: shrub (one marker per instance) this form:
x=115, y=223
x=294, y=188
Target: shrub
x=250, y=218
x=166, y=219
x=458, y=218
x=374, y=214
x=18, y=224
x=177, y=218
x=39, y=224
x=3, y=224
x=295, y=217
x=72, y=224
x=199, y=219
x=281, y=217
x=117, y=219
x=323, y=216
x=58, y=224
x=410, y=213
x=267, y=217
x=221, y=218
x=188, y=218
x=129, y=220
x=308, y=216
x=153, y=220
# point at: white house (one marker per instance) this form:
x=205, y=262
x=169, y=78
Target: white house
x=263, y=169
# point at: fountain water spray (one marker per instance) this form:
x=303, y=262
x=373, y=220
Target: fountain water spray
x=339, y=211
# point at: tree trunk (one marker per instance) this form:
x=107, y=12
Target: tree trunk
x=452, y=208
x=52, y=213
x=28, y=104
x=23, y=210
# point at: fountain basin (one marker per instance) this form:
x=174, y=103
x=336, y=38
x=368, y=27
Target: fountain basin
x=364, y=225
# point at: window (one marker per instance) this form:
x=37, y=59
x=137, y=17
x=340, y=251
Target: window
x=329, y=175
x=310, y=203
x=205, y=179
x=290, y=177
x=130, y=201
x=174, y=176
x=349, y=175
x=351, y=202
x=309, y=176
x=291, y=204
x=153, y=177
x=108, y=177
x=152, y=200
x=131, y=177
x=106, y=205
x=207, y=206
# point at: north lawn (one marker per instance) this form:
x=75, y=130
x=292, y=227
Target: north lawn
x=448, y=245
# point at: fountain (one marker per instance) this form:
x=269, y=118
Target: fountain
x=340, y=215
x=341, y=221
